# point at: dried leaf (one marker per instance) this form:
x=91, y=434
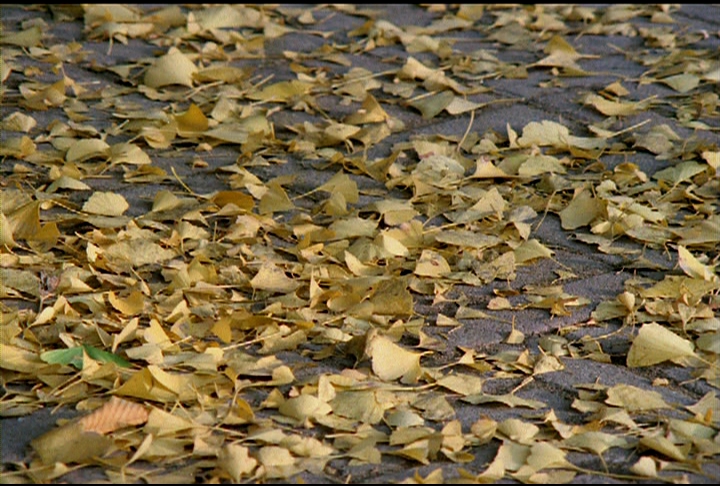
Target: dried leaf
x=645, y=466
x=282, y=92
x=235, y=460
x=390, y=361
x=191, y=122
x=152, y=383
x=432, y=264
x=655, y=344
x=616, y=108
x=664, y=446
x=106, y=204
x=370, y=112
x=172, y=68
x=18, y=122
x=693, y=268
x=115, y=414
x=680, y=172
x=581, y=211
x=682, y=82
x=26, y=38
x=83, y=150
x=272, y=278
x=635, y=399
x=431, y=106
x=304, y=407
x=70, y=443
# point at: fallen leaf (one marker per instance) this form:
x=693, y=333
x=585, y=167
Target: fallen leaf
x=70, y=443
x=113, y=415
x=172, y=68
x=236, y=461
x=83, y=150
x=106, y=204
x=272, y=278
x=655, y=344
x=634, y=399
x=390, y=361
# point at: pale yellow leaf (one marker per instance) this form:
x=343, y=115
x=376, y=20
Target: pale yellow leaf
x=645, y=466
x=582, y=210
x=544, y=133
x=655, y=344
x=634, y=399
x=664, y=446
x=172, y=68
x=106, y=204
x=304, y=407
x=236, y=461
x=128, y=153
x=692, y=266
x=531, y=250
x=272, y=278
x=390, y=361
x=86, y=149
x=26, y=38
x=432, y=264
x=370, y=112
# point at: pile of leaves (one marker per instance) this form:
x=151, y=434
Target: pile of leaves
x=269, y=329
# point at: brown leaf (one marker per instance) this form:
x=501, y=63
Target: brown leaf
x=115, y=414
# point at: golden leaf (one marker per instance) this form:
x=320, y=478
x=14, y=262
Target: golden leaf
x=191, y=122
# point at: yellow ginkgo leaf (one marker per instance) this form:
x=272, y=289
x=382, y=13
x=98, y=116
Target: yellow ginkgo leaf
x=6, y=232
x=343, y=184
x=172, y=68
x=370, y=112
x=281, y=92
x=304, y=407
x=634, y=399
x=432, y=264
x=390, y=246
x=27, y=38
x=692, y=266
x=616, y=108
x=106, y=204
x=83, y=150
x=655, y=344
x=235, y=460
x=192, y=121
x=275, y=200
x=390, y=361
x=272, y=278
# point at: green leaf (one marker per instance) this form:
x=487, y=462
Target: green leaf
x=74, y=356
x=71, y=356
x=105, y=357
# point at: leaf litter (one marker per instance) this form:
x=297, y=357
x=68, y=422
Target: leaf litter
x=187, y=332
